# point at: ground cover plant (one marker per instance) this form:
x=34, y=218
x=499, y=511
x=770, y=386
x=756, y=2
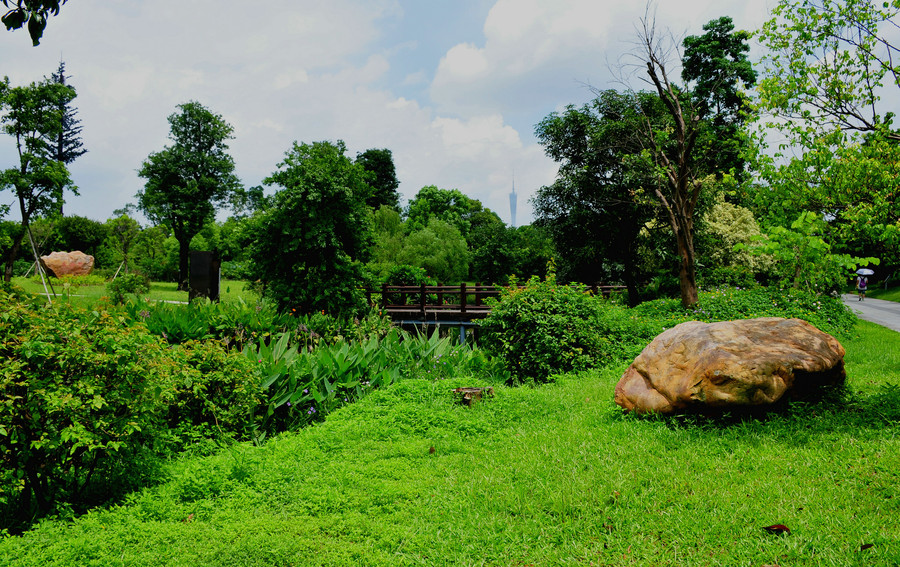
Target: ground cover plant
x=555, y=475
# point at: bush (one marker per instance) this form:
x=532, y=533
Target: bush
x=90, y=402
x=824, y=312
x=546, y=328
x=125, y=284
x=80, y=392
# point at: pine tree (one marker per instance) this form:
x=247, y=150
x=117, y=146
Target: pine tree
x=67, y=146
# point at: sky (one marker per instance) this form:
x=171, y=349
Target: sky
x=453, y=88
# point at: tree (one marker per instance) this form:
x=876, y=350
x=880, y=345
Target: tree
x=385, y=183
x=33, y=116
x=32, y=12
x=715, y=68
x=189, y=179
x=440, y=249
x=448, y=205
x=598, y=205
x=828, y=65
x=675, y=154
x=310, y=245
x=67, y=145
x=123, y=234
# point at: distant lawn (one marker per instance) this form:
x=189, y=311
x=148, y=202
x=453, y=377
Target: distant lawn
x=889, y=294
x=553, y=475
x=230, y=290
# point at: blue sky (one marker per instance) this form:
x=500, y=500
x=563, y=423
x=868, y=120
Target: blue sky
x=453, y=88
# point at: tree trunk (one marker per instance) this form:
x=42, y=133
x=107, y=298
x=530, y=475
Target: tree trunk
x=184, y=247
x=687, y=274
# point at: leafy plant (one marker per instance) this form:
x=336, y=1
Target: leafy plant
x=125, y=284
x=546, y=328
x=77, y=390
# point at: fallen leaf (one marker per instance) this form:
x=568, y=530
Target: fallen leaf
x=779, y=529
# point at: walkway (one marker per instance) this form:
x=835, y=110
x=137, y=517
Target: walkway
x=884, y=313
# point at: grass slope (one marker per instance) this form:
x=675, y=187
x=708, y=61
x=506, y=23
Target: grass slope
x=554, y=475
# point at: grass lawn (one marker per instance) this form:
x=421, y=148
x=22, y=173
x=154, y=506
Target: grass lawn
x=890, y=294
x=230, y=290
x=553, y=475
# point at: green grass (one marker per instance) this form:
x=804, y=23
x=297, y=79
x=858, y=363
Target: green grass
x=554, y=475
x=890, y=294
x=230, y=290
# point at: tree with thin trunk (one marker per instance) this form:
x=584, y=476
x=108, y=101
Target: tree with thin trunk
x=672, y=153
x=32, y=116
x=188, y=180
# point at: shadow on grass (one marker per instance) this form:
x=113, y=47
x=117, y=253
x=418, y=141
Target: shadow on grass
x=831, y=409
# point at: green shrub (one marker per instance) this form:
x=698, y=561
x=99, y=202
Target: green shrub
x=546, y=328
x=125, y=284
x=723, y=304
x=80, y=392
x=216, y=396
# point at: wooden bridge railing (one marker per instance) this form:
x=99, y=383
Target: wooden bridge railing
x=451, y=303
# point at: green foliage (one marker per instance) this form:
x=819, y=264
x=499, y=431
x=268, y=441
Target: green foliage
x=448, y=205
x=186, y=181
x=439, y=249
x=33, y=115
x=78, y=390
x=597, y=207
x=716, y=68
x=380, y=164
x=803, y=259
x=303, y=386
x=727, y=303
x=544, y=329
x=827, y=65
x=310, y=245
x=217, y=395
x=127, y=284
x=32, y=12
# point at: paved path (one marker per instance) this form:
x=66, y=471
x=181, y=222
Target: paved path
x=885, y=313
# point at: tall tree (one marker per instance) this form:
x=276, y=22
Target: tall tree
x=312, y=241
x=188, y=180
x=32, y=116
x=597, y=206
x=385, y=183
x=32, y=12
x=448, y=205
x=679, y=161
x=67, y=146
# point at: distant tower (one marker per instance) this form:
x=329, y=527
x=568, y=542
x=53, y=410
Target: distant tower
x=512, y=203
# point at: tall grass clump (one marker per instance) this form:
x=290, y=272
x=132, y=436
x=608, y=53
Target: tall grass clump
x=304, y=385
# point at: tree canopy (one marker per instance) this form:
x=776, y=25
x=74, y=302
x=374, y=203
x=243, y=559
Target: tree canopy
x=33, y=116
x=380, y=163
x=311, y=243
x=189, y=179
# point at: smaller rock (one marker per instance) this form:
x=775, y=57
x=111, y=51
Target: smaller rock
x=59, y=264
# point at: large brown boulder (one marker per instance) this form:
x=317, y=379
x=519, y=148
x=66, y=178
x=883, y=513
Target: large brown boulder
x=61, y=264
x=695, y=365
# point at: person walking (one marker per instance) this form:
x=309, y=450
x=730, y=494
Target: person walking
x=861, y=283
